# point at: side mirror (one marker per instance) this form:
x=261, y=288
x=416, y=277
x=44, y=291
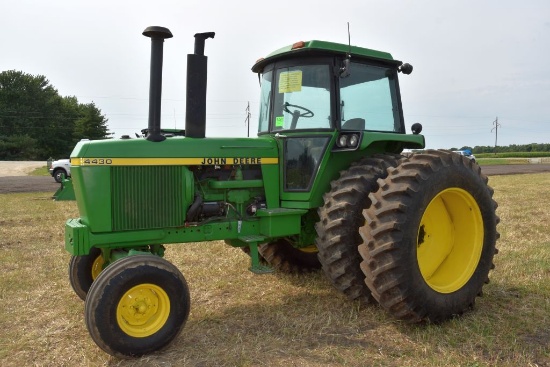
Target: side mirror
x=344, y=69
x=405, y=68
x=416, y=128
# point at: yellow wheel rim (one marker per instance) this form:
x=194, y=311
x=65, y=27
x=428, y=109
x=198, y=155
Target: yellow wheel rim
x=450, y=240
x=311, y=249
x=97, y=266
x=143, y=310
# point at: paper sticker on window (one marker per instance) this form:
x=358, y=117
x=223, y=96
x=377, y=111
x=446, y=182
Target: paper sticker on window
x=290, y=81
x=280, y=121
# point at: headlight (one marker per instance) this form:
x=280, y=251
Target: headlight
x=342, y=141
x=353, y=140
x=347, y=141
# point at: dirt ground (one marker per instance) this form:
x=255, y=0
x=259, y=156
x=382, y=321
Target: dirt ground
x=14, y=175
x=14, y=178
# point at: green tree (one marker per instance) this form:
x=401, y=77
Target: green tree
x=91, y=124
x=17, y=147
x=37, y=123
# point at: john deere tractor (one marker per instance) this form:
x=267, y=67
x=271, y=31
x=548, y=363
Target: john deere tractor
x=323, y=186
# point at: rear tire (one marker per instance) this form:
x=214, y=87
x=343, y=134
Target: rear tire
x=137, y=305
x=284, y=257
x=429, y=237
x=340, y=219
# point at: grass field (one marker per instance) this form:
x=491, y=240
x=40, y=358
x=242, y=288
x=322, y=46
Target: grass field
x=241, y=319
x=42, y=171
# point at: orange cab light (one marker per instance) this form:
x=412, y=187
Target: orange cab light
x=299, y=44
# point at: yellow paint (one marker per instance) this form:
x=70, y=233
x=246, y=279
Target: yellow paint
x=143, y=310
x=171, y=161
x=97, y=266
x=311, y=249
x=450, y=240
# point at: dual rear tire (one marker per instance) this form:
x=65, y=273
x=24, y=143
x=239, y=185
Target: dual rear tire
x=427, y=227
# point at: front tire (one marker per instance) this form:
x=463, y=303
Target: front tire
x=429, y=237
x=83, y=270
x=137, y=305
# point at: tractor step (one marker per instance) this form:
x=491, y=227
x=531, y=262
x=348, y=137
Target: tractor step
x=255, y=266
x=252, y=238
x=261, y=269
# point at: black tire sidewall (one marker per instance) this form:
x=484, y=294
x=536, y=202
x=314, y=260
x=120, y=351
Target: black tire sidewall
x=80, y=272
x=106, y=292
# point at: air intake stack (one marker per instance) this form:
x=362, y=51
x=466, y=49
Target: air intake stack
x=197, y=69
x=157, y=35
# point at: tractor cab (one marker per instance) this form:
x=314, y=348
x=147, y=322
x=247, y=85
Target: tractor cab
x=307, y=88
x=326, y=103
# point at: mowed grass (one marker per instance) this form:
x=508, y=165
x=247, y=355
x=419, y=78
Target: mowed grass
x=41, y=171
x=242, y=319
x=500, y=161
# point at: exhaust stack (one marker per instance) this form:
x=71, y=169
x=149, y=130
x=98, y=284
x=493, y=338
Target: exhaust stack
x=157, y=35
x=195, y=117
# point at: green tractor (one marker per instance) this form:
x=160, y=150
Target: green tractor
x=323, y=186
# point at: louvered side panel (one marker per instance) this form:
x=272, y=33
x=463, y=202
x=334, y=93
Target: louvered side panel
x=146, y=197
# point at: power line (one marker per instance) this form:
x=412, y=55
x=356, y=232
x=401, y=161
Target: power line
x=247, y=120
x=496, y=132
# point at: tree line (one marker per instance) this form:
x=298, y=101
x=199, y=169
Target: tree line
x=513, y=148
x=36, y=123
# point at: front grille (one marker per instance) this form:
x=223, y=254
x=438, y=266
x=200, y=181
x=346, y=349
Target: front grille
x=146, y=197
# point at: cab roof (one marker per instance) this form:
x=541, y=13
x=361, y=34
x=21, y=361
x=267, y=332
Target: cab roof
x=316, y=47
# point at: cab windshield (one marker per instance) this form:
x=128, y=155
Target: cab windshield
x=368, y=99
x=301, y=98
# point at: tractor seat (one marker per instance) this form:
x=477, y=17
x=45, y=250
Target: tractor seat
x=354, y=124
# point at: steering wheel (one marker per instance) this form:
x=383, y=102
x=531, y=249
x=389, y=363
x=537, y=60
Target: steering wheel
x=296, y=113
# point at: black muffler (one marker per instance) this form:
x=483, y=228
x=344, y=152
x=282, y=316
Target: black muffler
x=157, y=35
x=195, y=116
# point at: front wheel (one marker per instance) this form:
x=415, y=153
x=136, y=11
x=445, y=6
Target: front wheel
x=83, y=270
x=429, y=237
x=137, y=305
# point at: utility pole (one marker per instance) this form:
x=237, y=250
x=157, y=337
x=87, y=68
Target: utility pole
x=247, y=120
x=496, y=125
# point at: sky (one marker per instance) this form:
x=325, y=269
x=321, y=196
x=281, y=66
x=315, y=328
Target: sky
x=474, y=61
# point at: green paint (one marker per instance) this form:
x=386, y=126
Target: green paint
x=65, y=191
